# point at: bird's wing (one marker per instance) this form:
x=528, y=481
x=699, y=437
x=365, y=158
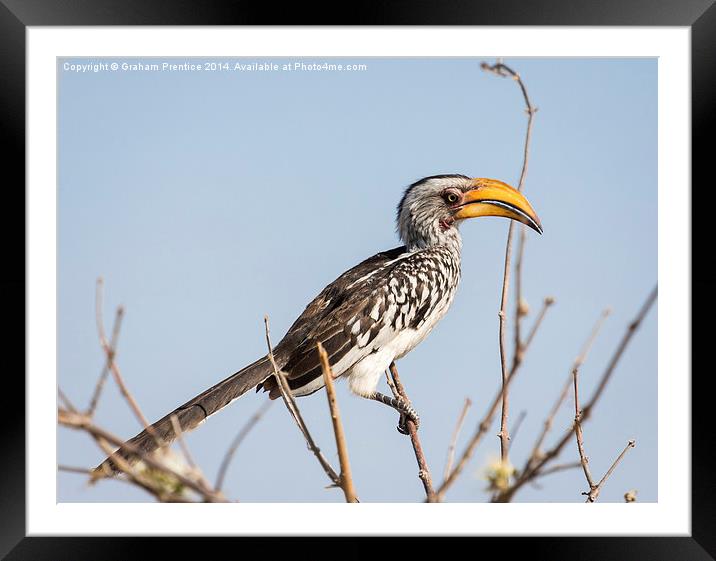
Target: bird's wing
x=330, y=299
x=345, y=317
x=333, y=295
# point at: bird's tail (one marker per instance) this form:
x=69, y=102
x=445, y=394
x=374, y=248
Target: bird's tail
x=189, y=415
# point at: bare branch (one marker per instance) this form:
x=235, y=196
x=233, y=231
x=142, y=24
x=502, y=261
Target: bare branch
x=594, y=493
x=182, y=443
x=504, y=433
x=583, y=460
x=424, y=471
x=631, y=329
x=290, y=402
x=581, y=357
x=187, y=455
x=548, y=301
x=112, y=364
x=112, y=344
x=544, y=458
x=346, y=479
x=503, y=70
x=455, y=434
x=105, y=439
x=559, y=467
x=486, y=421
x=518, y=424
x=237, y=442
x=521, y=307
x=66, y=400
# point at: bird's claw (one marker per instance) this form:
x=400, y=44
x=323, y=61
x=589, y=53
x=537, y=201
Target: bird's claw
x=402, y=425
x=402, y=406
x=403, y=421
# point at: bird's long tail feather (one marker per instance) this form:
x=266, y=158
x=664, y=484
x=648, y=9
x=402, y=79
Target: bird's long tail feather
x=189, y=415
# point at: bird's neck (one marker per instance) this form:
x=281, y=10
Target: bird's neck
x=449, y=238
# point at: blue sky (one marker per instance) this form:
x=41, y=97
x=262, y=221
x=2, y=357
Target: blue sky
x=208, y=199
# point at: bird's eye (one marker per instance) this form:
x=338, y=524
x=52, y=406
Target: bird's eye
x=451, y=197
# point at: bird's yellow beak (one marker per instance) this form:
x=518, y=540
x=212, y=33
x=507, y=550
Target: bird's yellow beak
x=491, y=197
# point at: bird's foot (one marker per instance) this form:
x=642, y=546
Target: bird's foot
x=410, y=415
x=404, y=407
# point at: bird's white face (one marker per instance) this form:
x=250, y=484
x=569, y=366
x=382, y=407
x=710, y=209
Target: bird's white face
x=432, y=208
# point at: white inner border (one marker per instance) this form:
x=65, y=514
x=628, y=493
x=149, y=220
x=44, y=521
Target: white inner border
x=670, y=516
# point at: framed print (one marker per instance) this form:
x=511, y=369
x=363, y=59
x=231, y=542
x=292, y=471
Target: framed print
x=192, y=185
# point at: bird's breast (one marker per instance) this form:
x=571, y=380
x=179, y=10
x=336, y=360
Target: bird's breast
x=423, y=300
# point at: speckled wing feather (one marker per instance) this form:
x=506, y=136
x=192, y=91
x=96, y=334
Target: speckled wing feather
x=365, y=310
x=327, y=319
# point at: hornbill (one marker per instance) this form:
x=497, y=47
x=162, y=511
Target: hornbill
x=369, y=316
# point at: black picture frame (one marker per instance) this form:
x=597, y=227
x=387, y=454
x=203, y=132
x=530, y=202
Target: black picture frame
x=17, y=15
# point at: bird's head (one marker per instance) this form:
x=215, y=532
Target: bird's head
x=431, y=209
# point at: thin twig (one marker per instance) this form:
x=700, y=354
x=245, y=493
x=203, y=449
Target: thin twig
x=559, y=467
x=583, y=460
x=631, y=329
x=518, y=424
x=424, y=471
x=503, y=70
x=66, y=400
x=114, y=340
x=504, y=433
x=578, y=362
x=237, y=442
x=182, y=443
x=594, y=493
x=84, y=423
x=133, y=475
x=185, y=451
x=548, y=301
x=112, y=364
x=455, y=434
x=345, y=476
x=73, y=419
x=486, y=421
x=290, y=402
x=533, y=470
x=521, y=308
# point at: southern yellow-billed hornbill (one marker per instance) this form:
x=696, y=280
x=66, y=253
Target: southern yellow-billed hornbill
x=372, y=314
